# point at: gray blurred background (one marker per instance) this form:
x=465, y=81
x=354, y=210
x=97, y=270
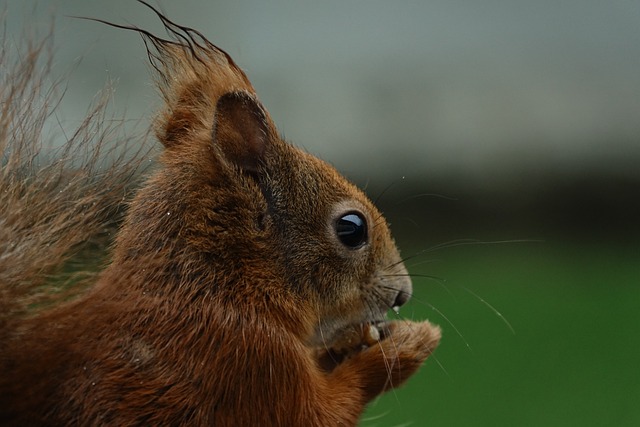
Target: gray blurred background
x=527, y=113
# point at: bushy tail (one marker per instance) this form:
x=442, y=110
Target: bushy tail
x=58, y=199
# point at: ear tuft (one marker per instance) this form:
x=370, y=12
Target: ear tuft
x=240, y=130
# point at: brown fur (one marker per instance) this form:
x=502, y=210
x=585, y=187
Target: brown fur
x=227, y=286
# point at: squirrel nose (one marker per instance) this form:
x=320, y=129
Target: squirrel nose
x=401, y=298
x=402, y=286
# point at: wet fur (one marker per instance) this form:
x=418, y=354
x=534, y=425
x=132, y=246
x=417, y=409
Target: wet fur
x=224, y=283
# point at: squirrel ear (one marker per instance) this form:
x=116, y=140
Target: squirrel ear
x=240, y=129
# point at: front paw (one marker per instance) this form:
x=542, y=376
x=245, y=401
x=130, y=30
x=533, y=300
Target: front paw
x=404, y=346
x=408, y=340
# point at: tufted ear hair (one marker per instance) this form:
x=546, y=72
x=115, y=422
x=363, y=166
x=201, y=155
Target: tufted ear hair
x=240, y=130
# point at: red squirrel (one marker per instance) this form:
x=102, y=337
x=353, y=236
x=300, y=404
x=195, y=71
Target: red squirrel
x=248, y=284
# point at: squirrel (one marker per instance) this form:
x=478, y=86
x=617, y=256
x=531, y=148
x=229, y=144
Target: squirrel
x=248, y=283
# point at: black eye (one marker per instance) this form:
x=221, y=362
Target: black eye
x=352, y=230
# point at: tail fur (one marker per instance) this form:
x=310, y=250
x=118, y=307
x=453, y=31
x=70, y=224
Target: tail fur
x=59, y=200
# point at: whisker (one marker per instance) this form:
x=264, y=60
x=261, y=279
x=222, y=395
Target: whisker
x=405, y=259
x=439, y=280
x=379, y=221
x=434, y=357
x=371, y=418
x=460, y=242
x=380, y=217
x=382, y=299
x=366, y=185
x=426, y=276
x=377, y=199
x=377, y=293
x=424, y=261
x=412, y=221
x=492, y=308
x=324, y=341
x=434, y=195
x=473, y=242
x=389, y=366
x=451, y=244
x=441, y=314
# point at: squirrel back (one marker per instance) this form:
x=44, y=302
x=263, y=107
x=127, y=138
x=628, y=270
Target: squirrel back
x=248, y=284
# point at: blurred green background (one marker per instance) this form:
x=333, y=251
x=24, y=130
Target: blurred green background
x=571, y=360
x=470, y=122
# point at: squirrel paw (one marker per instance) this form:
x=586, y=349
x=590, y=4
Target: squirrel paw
x=386, y=364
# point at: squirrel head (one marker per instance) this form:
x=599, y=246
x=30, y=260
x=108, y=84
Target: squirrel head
x=236, y=211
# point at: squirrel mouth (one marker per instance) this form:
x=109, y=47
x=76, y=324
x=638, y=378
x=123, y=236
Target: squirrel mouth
x=351, y=340
x=364, y=334
x=344, y=337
